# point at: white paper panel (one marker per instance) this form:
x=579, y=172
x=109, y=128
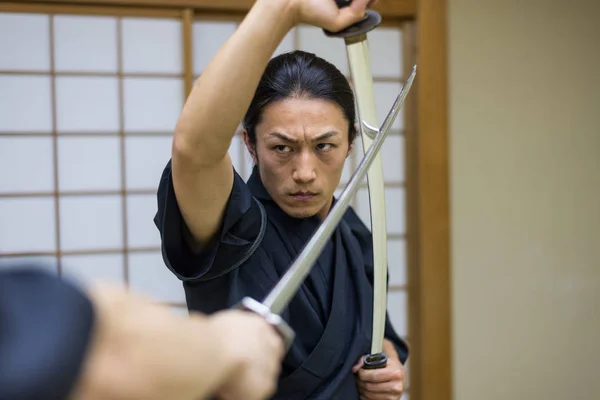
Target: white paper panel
x=398, y=311
x=85, y=43
x=29, y=44
x=26, y=164
x=208, y=37
x=385, y=48
x=395, y=204
x=347, y=172
x=152, y=45
x=141, y=231
x=313, y=40
x=146, y=158
x=149, y=275
x=22, y=97
x=87, y=104
x=392, y=153
x=397, y=261
x=385, y=95
x=90, y=269
x=91, y=223
x=152, y=104
x=89, y=163
x=393, y=156
x=27, y=225
x=287, y=44
x=44, y=263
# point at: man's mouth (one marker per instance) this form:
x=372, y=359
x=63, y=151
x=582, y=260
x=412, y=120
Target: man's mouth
x=303, y=196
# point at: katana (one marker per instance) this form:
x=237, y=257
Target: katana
x=357, y=51
x=281, y=294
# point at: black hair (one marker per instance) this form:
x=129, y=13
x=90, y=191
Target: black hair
x=299, y=74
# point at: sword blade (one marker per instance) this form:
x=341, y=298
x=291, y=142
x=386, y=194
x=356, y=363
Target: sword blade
x=288, y=285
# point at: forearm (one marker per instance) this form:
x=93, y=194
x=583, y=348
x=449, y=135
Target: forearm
x=389, y=348
x=225, y=89
x=141, y=351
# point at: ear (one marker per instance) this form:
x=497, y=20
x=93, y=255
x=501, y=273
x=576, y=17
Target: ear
x=251, y=149
x=358, y=136
x=351, y=148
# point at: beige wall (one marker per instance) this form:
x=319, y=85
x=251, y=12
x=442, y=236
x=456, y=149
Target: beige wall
x=525, y=180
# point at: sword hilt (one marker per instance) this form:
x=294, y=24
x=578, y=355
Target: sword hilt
x=371, y=20
x=375, y=361
x=284, y=330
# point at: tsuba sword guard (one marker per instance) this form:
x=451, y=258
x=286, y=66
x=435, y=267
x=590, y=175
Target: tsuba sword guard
x=375, y=361
x=286, y=332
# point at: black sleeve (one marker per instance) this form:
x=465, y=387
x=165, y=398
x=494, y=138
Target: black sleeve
x=241, y=229
x=366, y=243
x=45, y=329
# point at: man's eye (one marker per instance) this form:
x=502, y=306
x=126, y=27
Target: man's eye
x=324, y=146
x=282, y=148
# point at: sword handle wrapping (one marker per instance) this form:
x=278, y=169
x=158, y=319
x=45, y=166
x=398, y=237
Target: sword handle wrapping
x=284, y=330
x=375, y=361
x=371, y=20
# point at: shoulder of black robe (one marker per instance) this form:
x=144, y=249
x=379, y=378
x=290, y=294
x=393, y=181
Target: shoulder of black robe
x=45, y=329
x=365, y=238
x=238, y=235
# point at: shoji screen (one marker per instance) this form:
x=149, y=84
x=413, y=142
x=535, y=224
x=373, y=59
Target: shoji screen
x=87, y=109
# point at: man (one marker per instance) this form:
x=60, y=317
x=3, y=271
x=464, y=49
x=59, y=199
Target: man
x=59, y=341
x=226, y=239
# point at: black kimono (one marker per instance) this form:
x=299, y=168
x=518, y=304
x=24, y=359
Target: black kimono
x=331, y=312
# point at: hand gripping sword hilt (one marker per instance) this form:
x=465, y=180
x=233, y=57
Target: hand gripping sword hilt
x=371, y=20
x=286, y=332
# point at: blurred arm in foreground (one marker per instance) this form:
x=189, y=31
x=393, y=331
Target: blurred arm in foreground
x=60, y=341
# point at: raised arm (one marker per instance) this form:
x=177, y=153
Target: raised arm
x=201, y=167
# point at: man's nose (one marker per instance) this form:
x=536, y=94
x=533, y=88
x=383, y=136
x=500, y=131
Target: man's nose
x=304, y=168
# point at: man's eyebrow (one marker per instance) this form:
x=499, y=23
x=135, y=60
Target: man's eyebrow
x=284, y=137
x=324, y=136
x=292, y=140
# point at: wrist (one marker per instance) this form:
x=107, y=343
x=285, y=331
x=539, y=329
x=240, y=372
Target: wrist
x=283, y=10
x=225, y=357
x=389, y=349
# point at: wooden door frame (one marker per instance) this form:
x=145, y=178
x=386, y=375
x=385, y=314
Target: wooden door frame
x=431, y=321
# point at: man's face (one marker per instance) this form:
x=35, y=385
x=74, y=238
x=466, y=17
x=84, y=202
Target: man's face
x=301, y=146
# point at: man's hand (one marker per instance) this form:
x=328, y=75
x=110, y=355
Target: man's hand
x=256, y=351
x=382, y=384
x=327, y=15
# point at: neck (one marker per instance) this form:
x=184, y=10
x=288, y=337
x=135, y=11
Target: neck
x=325, y=210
